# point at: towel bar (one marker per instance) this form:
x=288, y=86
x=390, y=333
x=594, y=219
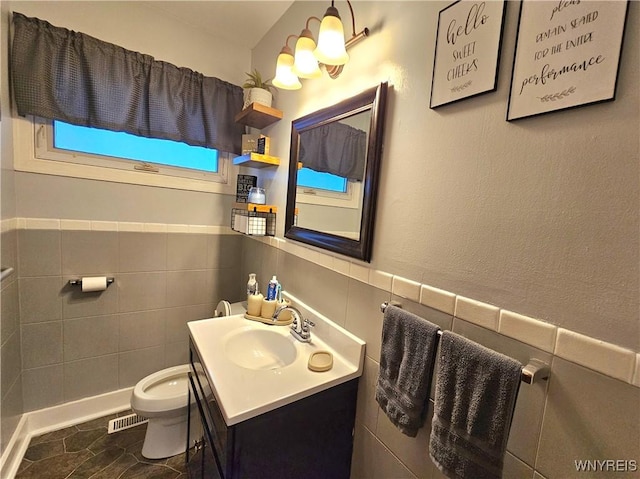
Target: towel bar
x=5, y=273
x=534, y=370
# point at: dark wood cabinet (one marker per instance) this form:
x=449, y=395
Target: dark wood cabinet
x=309, y=438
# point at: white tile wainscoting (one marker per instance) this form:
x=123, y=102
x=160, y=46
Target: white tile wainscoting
x=603, y=357
x=587, y=406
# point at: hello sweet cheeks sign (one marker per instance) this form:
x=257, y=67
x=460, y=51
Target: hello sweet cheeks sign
x=467, y=50
x=567, y=55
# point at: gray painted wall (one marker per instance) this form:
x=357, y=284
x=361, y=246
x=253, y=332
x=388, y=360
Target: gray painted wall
x=539, y=216
x=138, y=27
x=47, y=196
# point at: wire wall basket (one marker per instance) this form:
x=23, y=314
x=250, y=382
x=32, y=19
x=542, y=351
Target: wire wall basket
x=253, y=222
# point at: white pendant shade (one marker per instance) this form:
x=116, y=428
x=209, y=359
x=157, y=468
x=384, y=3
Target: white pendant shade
x=330, y=52
x=285, y=78
x=306, y=64
x=331, y=49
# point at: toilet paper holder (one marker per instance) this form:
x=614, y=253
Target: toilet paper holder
x=78, y=282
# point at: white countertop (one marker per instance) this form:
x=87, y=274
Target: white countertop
x=244, y=393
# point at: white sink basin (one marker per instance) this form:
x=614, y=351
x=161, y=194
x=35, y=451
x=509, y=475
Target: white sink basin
x=260, y=349
x=254, y=368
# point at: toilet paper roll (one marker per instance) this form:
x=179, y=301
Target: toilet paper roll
x=95, y=283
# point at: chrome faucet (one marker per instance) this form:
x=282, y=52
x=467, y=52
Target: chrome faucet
x=300, y=326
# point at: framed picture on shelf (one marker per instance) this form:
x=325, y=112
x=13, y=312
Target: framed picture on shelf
x=467, y=50
x=567, y=55
x=243, y=185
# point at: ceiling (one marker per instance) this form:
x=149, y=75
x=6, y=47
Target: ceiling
x=243, y=22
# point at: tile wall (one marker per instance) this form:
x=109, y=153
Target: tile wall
x=76, y=344
x=10, y=345
x=578, y=414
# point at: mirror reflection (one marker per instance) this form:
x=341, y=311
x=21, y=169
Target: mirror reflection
x=333, y=174
x=332, y=162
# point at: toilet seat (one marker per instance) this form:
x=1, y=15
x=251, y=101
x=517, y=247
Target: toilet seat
x=161, y=392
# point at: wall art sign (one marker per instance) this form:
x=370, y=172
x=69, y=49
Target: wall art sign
x=243, y=185
x=567, y=55
x=467, y=50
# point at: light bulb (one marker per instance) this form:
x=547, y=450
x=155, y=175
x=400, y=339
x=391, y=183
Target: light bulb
x=306, y=64
x=331, y=49
x=285, y=79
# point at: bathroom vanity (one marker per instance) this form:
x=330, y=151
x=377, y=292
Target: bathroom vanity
x=310, y=438
x=271, y=419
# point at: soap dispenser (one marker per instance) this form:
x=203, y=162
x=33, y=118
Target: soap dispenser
x=254, y=298
x=252, y=285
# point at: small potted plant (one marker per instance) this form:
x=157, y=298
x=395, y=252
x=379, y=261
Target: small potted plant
x=257, y=90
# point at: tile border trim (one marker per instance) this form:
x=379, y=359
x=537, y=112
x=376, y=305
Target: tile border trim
x=116, y=226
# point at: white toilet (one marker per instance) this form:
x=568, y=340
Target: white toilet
x=162, y=397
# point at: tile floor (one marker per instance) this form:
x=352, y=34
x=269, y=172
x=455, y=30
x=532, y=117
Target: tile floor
x=86, y=451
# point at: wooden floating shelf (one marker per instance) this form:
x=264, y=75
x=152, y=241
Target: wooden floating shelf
x=258, y=116
x=256, y=160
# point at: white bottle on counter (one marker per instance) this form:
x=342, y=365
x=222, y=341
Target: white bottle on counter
x=252, y=285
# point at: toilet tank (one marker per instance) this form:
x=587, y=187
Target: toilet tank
x=225, y=308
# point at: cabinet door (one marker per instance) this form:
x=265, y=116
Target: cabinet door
x=210, y=467
x=205, y=458
x=194, y=462
x=216, y=430
x=217, y=437
x=194, y=456
x=311, y=438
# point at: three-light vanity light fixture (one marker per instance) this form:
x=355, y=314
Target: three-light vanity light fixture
x=330, y=52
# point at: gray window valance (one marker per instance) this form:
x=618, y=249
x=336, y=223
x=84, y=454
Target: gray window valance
x=334, y=148
x=72, y=77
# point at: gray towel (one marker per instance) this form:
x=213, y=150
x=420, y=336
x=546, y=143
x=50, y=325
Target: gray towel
x=406, y=365
x=476, y=391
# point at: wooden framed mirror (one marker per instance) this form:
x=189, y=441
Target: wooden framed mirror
x=334, y=168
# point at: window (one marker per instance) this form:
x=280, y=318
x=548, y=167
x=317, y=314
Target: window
x=324, y=181
x=83, y=152
x=82, y=139
x=318, y=188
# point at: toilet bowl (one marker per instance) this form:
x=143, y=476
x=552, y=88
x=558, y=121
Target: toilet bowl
x=162, y=397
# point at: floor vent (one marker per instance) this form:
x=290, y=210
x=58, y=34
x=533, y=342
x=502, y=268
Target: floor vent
x=125, y=422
